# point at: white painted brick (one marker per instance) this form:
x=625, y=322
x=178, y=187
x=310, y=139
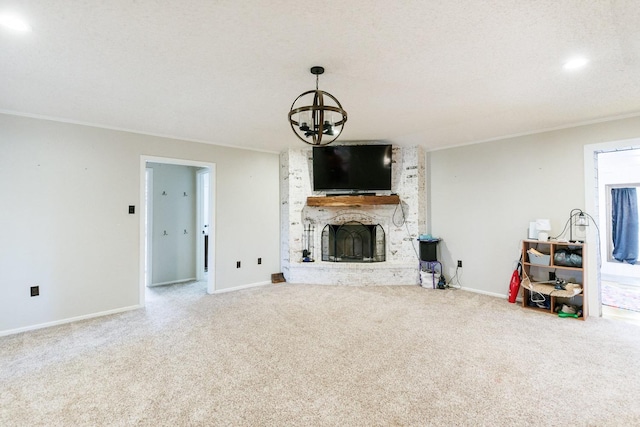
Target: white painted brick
x=401, y=265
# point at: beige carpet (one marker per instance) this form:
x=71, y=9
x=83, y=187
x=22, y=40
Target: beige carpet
x=323, y=356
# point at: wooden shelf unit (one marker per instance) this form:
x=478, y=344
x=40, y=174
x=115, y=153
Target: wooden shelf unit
x=346, y=201
x=576, y=274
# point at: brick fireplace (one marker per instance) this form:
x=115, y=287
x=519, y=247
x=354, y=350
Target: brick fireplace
x=394, y=227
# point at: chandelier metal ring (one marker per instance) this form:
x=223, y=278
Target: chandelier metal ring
x=318, y=123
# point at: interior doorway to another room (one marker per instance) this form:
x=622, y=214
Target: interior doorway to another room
x=598, y=235
x=176, y=215
x=618, y=171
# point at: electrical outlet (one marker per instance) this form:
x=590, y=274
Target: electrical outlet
x=459, y=263
x=35, y=291
x=259, y=261
x=237, y=264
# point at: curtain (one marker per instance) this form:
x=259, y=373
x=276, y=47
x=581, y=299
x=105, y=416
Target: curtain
x=624, y=218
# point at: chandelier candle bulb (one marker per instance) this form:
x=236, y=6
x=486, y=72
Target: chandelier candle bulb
x=305, y=119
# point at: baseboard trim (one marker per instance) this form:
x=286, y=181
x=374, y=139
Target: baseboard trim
x=172, y=282
x=68, y=320
x=491, y=294
x=239, y=288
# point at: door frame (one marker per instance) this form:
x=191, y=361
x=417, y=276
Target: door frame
x=144, y=159
x=147, y=217
x=591, y=204
x=200, y=221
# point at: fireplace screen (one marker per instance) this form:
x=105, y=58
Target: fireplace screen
x=353, y=242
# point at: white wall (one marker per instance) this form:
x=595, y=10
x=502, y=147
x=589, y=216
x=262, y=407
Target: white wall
x=174, y=229
x=483, y=196
x=64, y=193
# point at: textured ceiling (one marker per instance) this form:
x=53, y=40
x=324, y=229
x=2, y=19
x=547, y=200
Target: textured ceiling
x=434, y=73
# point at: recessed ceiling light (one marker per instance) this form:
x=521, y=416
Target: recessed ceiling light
x=14, y=22
x=574, y=63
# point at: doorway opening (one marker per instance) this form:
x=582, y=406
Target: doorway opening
x=614, y=285
x=176, y=214
x=619, y=175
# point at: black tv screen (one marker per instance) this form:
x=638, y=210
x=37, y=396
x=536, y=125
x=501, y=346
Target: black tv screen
x=352, y=168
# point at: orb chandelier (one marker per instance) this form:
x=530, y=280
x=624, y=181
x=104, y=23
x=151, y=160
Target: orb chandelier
x=316, y=116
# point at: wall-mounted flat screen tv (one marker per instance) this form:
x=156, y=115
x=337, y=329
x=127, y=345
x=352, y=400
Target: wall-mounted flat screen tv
x=352, y=168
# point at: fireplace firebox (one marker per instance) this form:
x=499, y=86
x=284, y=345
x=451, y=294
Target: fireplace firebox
x=353, y=242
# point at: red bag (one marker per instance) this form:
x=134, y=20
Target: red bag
x=514, y=286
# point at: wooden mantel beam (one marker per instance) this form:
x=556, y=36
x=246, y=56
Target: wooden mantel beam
x=346, y=201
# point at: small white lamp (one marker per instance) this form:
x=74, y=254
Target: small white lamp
x=543, y=225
